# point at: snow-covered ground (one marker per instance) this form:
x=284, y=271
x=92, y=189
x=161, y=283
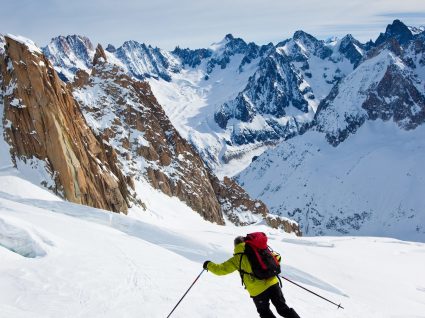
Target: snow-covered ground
x=190, y=102
x=65, y=260
x=372, y=184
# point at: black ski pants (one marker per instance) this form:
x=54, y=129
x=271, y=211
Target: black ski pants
x=275, y=295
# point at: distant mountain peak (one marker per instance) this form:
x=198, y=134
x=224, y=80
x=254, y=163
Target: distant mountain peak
x=229, y=42
x=68, y=41
x=348, y=37
x=134, y=44
x=300, y=34
x=229, y=37
x=70, y=53
x=307, y=39
x=110, y=48
x=331, y=40
x=396, y=30
x=352, y=49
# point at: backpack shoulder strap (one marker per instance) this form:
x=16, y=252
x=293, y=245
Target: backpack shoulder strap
x=240, y=270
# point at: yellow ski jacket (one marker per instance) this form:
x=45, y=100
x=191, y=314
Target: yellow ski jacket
x=253, y=285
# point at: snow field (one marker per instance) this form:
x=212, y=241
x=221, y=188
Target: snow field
x=376, y=173
x=101, y=264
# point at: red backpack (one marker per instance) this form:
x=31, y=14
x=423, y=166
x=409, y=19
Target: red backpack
x=263, y=260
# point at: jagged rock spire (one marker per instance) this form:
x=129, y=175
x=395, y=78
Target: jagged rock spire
x=99, y=56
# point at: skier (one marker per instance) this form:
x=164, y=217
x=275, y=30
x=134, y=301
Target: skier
x=262, y=291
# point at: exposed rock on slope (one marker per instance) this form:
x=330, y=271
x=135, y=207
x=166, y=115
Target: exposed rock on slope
x=352, y=49
x=144, y=61
x=127, y=116
x=239, y=207
x=397, y=31
x=255, y=94
x=359, y=170
x=371, y=184
x=43, y=121
x=384, y=86
x=280, y=99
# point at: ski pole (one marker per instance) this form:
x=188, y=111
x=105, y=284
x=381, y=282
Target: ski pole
x=339, y=306
x=185, y=293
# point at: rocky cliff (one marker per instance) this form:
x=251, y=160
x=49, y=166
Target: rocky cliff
x=388, y=85
x=126, y=115
x=281, y=97
x=42, y=120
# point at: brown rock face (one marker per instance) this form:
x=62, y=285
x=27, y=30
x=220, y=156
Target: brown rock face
x=237, y=205
x=396, y=97
x=126, y=115
x=99, y=56
x=46, y=123
x=240, y=209
x=278, y=222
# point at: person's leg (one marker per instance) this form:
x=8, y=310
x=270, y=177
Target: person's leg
x=262, y=302
x=276, y=296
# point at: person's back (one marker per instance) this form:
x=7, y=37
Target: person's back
x=262, y=291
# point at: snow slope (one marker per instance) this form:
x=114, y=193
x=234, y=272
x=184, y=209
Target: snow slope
x=190, y=102
x=371, y=184
x=65, y=260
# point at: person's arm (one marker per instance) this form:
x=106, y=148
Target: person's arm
x=225, y=268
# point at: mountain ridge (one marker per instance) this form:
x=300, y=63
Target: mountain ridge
x=235, y=100
x=122, y=120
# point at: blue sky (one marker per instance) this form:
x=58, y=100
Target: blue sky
x=198, y=23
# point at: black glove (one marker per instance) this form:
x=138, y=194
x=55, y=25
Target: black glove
x=205, y=266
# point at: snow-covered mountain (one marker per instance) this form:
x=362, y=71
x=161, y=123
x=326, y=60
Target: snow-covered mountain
x=68, y=54
x=386, y=86
x=234, y=100
x=370, y=184
x=143, y=61
x=359, y=167
x=281, y=97
x=126, y=115
x=238, y=98
x=195, y=94
x=98, y=140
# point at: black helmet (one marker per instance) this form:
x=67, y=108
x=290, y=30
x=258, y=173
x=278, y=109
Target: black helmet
x=239, y=239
